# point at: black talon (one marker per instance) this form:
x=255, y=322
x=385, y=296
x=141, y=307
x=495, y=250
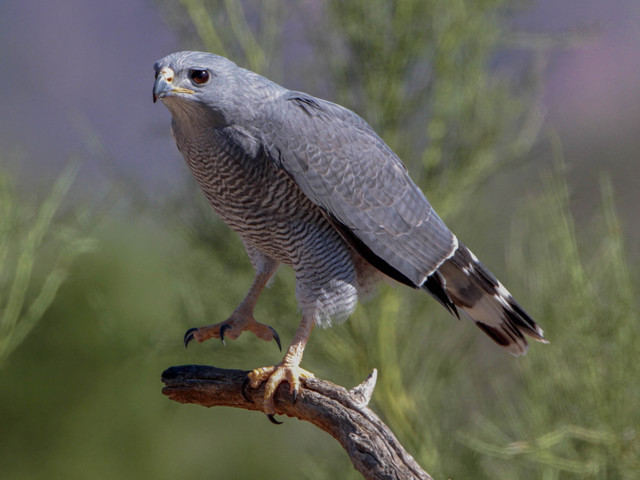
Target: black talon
x=272, y=419
x=295, y=396
x=276, y=337
x=223, y=329
x=188, y=336
x=243, y=389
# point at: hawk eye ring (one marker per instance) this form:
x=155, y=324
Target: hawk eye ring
x=199, y=77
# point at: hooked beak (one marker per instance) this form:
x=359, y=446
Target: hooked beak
x=163, y=85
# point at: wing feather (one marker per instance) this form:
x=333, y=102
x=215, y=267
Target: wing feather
x=343, y=166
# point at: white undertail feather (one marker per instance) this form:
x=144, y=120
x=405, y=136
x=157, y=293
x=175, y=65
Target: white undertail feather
x=474, y=290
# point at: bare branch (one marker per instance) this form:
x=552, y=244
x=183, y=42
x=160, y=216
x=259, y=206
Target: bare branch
x=373, y=449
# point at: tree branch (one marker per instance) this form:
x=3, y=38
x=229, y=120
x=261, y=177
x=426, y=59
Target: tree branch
x=373, y=449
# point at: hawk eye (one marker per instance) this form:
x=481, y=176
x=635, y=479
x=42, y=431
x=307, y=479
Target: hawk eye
x=199, y=77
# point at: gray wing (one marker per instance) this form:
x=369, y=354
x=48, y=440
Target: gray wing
x=343, y=166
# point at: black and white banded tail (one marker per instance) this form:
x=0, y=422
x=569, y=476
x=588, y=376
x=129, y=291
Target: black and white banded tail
x=463, y=283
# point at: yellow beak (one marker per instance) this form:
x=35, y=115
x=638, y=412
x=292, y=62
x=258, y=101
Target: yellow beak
x=163, y=85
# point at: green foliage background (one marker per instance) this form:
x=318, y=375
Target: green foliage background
x=80, y=394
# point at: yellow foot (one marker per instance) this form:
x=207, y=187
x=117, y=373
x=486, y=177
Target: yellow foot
x=274, y=376
x=232, y=328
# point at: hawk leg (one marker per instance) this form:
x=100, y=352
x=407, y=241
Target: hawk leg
x=288, y=370
x=241, y=319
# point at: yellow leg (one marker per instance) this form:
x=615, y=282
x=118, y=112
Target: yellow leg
x=287, y=370
x=241, y=319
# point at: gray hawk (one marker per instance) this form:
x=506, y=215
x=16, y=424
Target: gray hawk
x=309, y=184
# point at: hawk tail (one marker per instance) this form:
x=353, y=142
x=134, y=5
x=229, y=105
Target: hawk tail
x=463, y=283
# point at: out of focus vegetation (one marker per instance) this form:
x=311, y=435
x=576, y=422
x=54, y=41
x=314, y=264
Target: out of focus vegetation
x=80, y=395
x=35, y=257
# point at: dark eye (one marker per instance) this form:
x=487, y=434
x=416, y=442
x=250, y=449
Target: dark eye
x=199, y=77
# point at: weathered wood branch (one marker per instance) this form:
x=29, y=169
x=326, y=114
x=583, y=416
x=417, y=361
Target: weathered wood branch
x=373, y=449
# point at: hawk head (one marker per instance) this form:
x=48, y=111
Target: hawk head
x=204, y=85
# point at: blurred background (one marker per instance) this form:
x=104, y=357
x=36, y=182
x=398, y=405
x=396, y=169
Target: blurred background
x=519, y=119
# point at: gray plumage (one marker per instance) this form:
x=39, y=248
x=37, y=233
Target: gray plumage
x=308, y=183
